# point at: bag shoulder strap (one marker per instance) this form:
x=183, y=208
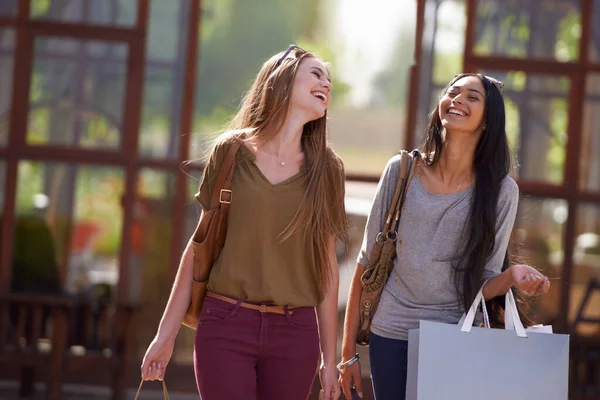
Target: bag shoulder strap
x=393, y=213
x=222, y=190
x=414, y=158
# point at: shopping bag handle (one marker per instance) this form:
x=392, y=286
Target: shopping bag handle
x=511, y=315
x=164, y=387
x=512, y=321
x=468, y=318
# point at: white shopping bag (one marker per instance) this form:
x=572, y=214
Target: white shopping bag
x=462, y=362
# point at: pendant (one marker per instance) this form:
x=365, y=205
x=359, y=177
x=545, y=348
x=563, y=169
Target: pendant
x=282, y=163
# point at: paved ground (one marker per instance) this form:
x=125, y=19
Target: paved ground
x=9, y=391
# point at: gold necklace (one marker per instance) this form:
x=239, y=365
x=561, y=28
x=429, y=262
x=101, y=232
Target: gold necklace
x=280, y=162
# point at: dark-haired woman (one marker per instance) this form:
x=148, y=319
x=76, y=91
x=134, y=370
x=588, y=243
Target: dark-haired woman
x=453, y=235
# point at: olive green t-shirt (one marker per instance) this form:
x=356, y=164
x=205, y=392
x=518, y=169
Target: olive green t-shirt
x=255, y=263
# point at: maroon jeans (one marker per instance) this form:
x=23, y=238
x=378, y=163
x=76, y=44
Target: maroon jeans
x=241, y=353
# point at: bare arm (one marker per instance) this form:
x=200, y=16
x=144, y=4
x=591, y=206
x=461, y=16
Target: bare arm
x=526, y=278
x=160, y=350
x=352, y=319
x=351, y=376
x=179, y=299
x=327, y=312
x=327, y=317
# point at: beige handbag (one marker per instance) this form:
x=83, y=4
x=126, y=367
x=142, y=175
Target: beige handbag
x=381, y=260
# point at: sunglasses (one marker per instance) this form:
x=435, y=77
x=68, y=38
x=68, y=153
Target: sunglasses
x=287, y=53
x=498, y=84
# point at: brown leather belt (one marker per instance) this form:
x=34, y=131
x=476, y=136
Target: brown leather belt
x=263, y=308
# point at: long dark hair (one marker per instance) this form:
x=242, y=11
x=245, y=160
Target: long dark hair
x=492, y=163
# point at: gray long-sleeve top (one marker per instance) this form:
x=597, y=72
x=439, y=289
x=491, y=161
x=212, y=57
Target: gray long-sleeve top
x=421, y=285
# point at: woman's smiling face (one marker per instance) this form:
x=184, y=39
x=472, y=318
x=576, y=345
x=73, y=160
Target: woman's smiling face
x=462, y=107
x=311, y=91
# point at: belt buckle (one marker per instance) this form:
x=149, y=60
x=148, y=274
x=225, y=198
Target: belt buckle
x=262, y=308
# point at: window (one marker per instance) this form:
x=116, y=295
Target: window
x=528, y=28
x=106, y=12
x=77, y=93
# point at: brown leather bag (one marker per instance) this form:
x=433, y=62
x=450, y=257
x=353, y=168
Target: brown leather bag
x=209, y=237
x=381, y=260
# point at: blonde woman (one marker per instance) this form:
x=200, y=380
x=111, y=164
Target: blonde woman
x=286, y=214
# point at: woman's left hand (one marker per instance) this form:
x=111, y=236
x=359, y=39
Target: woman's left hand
x=529, y=279
x=330, y=389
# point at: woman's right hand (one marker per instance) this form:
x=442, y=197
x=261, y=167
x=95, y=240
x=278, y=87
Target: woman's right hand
x=350, y=377
x=156, y=359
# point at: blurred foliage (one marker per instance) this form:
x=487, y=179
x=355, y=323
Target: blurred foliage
x=391, y=83
x=234, y=47
x=568, y=36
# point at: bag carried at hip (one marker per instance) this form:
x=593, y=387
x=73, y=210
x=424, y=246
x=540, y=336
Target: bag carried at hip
x=381, y=260
x=209, y=237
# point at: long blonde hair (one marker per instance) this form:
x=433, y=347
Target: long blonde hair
x=261, y=115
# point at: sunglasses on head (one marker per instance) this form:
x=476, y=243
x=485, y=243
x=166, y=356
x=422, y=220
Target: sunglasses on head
x=287, y=53
x=498, y=84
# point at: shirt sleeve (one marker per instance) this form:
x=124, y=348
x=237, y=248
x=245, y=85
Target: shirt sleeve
x=209, y=176
x=383, y=197
x=506, y=212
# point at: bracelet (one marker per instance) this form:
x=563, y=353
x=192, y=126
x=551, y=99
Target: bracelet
x=343, y=365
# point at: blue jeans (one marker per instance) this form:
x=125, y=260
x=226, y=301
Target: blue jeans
x=389, y=362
